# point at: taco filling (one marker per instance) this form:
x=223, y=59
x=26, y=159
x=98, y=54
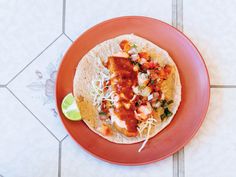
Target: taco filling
x=128, y=92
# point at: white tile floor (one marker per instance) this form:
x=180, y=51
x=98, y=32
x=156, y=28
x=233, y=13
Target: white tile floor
x=76, y=162
x=26, y=29
x=83, y=14
x=32, y=45
x=35, y=86
x=211, y=25
x=212, y=152
x=27, y=149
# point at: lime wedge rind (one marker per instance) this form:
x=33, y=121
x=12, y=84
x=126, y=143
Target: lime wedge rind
x=70, y=108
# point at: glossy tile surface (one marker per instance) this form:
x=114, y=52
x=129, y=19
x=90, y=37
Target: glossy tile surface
x=35, y=86
x=212, y=151
x=211, y=25
x=26, y=29
x=76, y=162
x=27, y=149
x=83, y=14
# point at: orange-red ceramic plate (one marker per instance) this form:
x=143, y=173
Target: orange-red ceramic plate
x=195, y=90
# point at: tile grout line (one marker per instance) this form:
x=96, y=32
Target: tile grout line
x=63, y=15
x=68, y=37
x=175, y=157
x=179, y=16
x=179, y=25
x=64, y=21
x=174, y=13
x=59, y=160
x=176, y=164
x=223, y=86
x=64, y=138
x=33, y=59
x=59, y=155
x=181, y=163
x=32, y=114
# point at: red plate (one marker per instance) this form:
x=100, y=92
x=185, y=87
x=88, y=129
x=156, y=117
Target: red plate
x=195, y=90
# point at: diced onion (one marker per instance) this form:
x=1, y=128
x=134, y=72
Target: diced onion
x=150, y=97
x=146, y=91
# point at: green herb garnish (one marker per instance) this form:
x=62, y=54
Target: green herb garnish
x=155, y=108
x=136, y=63
x=163, y=116
x=102, y=113
x=152, y=82
x=167, y=112
x=164, y=104
x=140, y=87
x=134, y=46
x=138, y=103
x=170, y=102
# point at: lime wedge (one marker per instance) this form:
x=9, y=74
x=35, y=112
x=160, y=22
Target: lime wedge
x=69, y=108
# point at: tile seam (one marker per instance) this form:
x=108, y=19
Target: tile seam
x=175, y=157
x=32, y=114
x=179, y=25
x=63, y=15
x=35, y=58
x=59, y=160
x=60, y=155
x=222, y=86
x=68, y=37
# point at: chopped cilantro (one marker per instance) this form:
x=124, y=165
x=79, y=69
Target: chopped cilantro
x=163, y=116
x=136, y=63
x=141, y=87
x=167, y=112
x=102, y=113
x=155, y=108
x=164, y=104
x=134, y=46
x=138, y=103
x=152, y=82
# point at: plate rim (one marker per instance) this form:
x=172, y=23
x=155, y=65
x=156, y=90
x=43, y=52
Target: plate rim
x=187, y=140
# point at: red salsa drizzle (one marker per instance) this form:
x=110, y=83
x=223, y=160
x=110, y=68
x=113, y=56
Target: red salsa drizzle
x=125, y=77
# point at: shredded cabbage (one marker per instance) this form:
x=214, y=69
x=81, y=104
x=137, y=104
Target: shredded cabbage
x=147, y=124
x=98, y=88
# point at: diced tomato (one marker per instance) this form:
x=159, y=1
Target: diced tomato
x=153, y=75
x=104, y=106
x=148, y=65
x=157, y=65
x=145, y=66
x=156, y=94
x=127, y=47
x=162, y=74
x=144, y=100
x=160, y=94
x=106, y=130
x=167, y=69
x=102, y=117
x=124, y=45
x=156, y=88
x=144, y=55
x=141, y=116
x=151, y=65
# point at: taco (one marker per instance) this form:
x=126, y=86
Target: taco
x=127, y=89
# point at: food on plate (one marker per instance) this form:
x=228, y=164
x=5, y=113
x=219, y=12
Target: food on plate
x=127, y=89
